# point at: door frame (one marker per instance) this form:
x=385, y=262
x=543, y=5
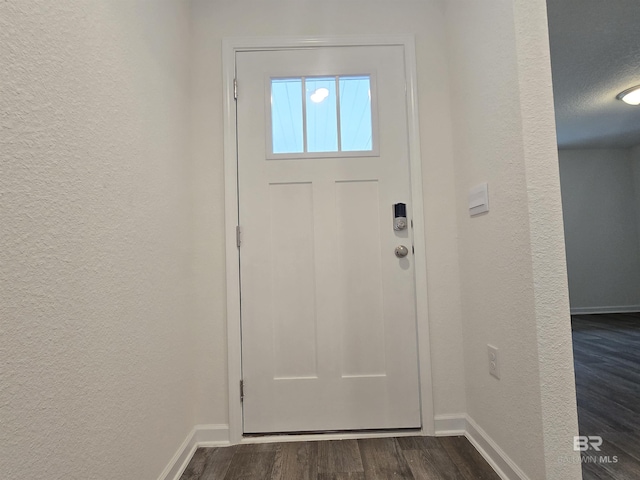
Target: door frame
x=233, y=45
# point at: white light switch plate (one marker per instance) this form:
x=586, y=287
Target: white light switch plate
x=494, y=365
x=479, y=199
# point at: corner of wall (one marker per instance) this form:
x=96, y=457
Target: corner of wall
x=546, y=232
x=512, y=259
x=200, y=436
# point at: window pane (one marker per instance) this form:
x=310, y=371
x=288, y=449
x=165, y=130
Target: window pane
x=355, y=114
x=322, y=122
x=286, y=115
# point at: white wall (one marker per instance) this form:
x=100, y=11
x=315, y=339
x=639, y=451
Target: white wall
x=113, y=331
x=634, y=156
x=95, y=331
x=514, y=292
x=214, y=20
x=600, y=206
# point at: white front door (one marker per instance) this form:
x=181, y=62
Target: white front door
x=327, y=307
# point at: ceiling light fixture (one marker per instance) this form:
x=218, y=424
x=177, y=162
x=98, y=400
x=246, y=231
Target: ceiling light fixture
x=630, y=95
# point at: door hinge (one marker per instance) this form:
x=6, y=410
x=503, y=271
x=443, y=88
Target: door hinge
x=413, y=249
x=235, y=88
x=241, y=390
x=238, y=238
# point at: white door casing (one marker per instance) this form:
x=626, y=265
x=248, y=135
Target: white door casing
x=231, y=48
x=328, y=310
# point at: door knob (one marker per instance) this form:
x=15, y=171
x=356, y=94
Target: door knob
x=401, y=251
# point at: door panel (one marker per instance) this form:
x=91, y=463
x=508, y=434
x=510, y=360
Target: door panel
x=328, y=310
x=360, y=276
x=294, y=318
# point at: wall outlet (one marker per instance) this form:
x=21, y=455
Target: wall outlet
x=494, y=365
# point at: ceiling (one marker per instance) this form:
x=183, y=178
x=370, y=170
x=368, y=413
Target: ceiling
x=595, y=54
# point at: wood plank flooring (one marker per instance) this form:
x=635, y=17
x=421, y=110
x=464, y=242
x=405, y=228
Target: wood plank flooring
x=606, y=351
x=607, y=363
x=410, y=458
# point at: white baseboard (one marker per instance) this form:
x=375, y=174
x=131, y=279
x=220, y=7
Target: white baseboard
x=200, y=436
x=450, y=425
x=492, y=453
x=462, y=424
x=614, y=309
x=180, y=460
x=211, y=435
x=445, y=425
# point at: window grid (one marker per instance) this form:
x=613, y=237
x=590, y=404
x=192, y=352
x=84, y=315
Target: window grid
x=336, y=118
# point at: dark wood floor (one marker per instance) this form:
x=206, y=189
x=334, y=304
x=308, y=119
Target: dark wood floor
x=428, y=458
x=607, y=363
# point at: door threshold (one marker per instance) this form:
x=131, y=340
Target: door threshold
x=309, y=436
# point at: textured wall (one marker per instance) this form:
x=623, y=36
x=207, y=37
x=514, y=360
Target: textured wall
x=112, y=329
x=600, y=217
x=511, y=259
x=546, y=236
x=634, y=156
x=96, y=369
x=214, y=20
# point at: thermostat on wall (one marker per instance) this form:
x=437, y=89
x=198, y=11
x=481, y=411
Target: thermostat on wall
x=479, y=199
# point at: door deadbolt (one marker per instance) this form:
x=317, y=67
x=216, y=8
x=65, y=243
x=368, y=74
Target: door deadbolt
x=401, y=251
x=399, y=216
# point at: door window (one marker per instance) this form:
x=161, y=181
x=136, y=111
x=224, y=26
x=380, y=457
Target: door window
x=322, y=117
